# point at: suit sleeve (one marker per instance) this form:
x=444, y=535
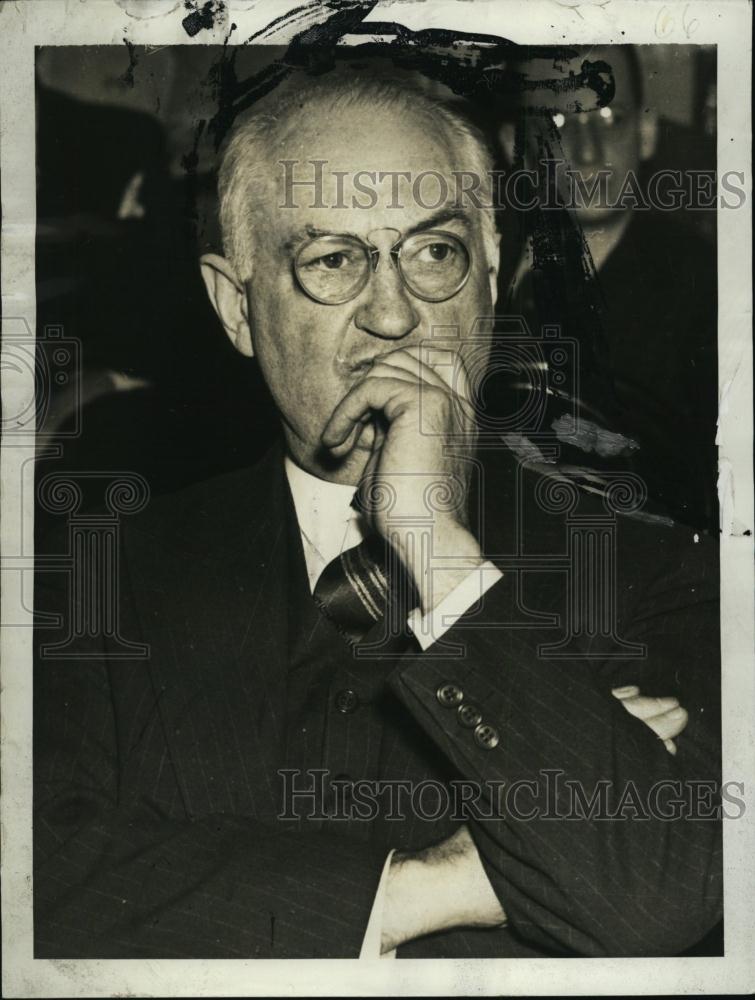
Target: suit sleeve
x=117, y=877
x=638, y=871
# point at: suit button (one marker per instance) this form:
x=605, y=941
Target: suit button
x=449, y=695
x=469, y=715
x=347, y=701
x=486, y=736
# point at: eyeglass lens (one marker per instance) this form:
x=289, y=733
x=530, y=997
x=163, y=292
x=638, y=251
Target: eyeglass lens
x=334, y=269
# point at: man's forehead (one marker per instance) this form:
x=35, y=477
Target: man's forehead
x=377, y=134
x=370, y=167
x=356, y=151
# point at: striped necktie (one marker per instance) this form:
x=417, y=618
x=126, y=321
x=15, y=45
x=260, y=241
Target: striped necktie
x=365, y=585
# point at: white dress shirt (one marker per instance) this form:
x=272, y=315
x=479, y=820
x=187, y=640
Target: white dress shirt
x=329, y=525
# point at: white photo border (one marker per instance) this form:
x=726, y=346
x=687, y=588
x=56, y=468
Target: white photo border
x=25, y=24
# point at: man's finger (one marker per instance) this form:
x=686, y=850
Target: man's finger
x=450, y=375
x=669, y=724
x=352, y=437
x=446, y=363
x=643, y=707
x=386, y=394
x=405, y=360
x=630, y=691
x=382, y=369
x=665, y=716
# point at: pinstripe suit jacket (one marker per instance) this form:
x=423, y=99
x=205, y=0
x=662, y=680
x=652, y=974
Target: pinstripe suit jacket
x=157, y=787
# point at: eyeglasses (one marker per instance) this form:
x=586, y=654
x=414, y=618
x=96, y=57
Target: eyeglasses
x=605, y=120
x=433, y=265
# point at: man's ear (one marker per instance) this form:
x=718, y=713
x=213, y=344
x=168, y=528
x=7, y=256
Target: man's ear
x=228, y=297
x=648, y=133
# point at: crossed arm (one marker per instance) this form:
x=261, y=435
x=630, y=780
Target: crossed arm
x=446, y=886
x=117, y=875
x=490, y=873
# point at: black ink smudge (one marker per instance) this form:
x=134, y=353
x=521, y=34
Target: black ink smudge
x=128, y=76
x=198, y=19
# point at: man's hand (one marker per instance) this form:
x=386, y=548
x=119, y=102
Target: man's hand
x=665, y=716
x=415, y=485
x=436, y=889
x=446, y=886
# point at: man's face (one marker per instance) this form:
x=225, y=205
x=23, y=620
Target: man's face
x=312, y=353
x=603, y=138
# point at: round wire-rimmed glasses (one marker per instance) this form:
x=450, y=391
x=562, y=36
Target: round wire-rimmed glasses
x=434, y=266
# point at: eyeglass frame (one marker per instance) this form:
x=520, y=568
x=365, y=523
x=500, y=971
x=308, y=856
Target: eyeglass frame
x=373, y=254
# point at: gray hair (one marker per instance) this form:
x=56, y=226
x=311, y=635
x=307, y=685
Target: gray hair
x=244, y=168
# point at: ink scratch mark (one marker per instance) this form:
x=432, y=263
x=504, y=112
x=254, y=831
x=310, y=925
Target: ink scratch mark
x=272, y=931
x=729, y=524
x=589, y=436
x=472, y=65
x=198, y=19
x=128, y=76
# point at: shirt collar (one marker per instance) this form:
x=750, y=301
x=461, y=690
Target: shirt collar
x=327, y=521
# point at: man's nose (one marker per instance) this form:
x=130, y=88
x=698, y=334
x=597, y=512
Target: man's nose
x=387, y=310
x=589, y=147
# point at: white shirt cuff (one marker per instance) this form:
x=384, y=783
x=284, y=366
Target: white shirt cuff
x=374, y=933
x=429, y=628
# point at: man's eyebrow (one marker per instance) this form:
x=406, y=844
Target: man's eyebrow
x=437, y=219
x=440, y=218
x=311, y=233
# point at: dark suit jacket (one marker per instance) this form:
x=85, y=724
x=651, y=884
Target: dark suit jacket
x=157, y=792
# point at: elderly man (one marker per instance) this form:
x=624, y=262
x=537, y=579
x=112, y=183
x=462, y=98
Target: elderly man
x=371, y=619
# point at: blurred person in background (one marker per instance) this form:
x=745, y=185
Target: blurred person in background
x=648, y=289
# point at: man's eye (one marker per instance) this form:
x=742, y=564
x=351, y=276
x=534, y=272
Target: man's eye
x=435, y=253
x=331, y=261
